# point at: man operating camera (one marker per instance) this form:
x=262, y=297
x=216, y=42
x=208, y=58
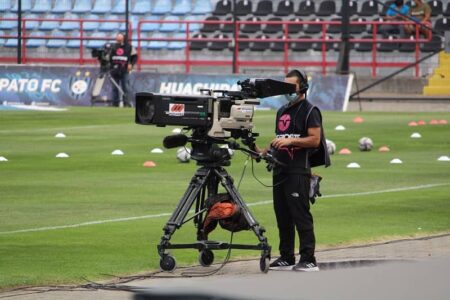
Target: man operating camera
x=299, y=145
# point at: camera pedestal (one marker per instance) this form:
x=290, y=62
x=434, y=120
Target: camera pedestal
x=205, y=184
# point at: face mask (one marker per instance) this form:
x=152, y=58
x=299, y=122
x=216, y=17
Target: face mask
x=291, y=97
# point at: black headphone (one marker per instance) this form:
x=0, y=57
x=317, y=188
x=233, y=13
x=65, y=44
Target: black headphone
x=304, y=85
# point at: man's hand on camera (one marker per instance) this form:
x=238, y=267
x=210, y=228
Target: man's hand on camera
x=278, y=143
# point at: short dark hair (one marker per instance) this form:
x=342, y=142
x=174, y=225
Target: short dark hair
x=294, y=73
x=399, y=2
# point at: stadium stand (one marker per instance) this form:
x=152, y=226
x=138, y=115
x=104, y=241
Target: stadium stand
x=285, y=8
x=264, y=8
x=70, y=25
x=370, y=8
x=57, y=43
x=93, y=23
x=211, y=27
x=82, y=6
x=219, y=45
x=202, y=7
x=353, y=8
x=41, y=6
x=5, y=6
x=162, y=7
x=102, y=7
x=26, y=6
x=8, y=24
x=326, y=9
x=48, y=25
x=223, y=8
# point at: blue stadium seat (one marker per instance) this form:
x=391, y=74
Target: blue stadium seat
x=119, y=7
x=62, y=6
x=36, y=43
x=48, y=24
x=26, y=6
x=76, y=42
x=8, y=24
x=157, y=45
x=145, y=27
x=110, y=26
x=177, y=45
x=82, y=6
x=170, y=27
x=57, y=43
x=134, y=20
x=202, y=7
x=2, y=40
x=91, y=26
x=192, y=26
x=142, y=7
x=11, y=42
x=42, y=6
x=162, y=7
x=94, y=44
x=102, y=7
x=5, y=6
x=31, y=25
x=70, y=25
x=182, y=7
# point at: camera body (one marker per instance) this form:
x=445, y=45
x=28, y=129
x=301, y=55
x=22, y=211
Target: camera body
x=103, y=55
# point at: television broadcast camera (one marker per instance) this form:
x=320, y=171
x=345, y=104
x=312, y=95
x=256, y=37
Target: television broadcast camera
x=213, y=120
x=103, y=55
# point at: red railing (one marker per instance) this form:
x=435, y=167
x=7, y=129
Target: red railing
x=286, y=62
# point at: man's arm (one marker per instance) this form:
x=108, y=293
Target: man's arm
x=311, y=141
x=427, y=16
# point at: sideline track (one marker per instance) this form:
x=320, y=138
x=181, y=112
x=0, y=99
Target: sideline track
x=90, y=223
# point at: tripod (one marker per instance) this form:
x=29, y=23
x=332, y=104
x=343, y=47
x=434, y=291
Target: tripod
x=205, y=183
x=98, y=86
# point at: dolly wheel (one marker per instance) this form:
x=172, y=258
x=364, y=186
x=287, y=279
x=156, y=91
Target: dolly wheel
x=167, y=263
x=264, y=263
x=206, y=257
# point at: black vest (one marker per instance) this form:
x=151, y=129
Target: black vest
x=292, y=121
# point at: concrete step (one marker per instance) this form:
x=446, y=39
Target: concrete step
x=437, y=80
x=436, y=90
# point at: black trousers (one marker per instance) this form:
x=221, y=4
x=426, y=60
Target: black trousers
x=292, y=210
x=123, y=80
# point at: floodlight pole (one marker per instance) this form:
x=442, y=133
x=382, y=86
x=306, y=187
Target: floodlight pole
x=19, y=32
x=343, y=64
x=127, y=20
x=235, y=33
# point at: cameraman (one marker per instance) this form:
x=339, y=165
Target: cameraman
x=300, y=145
x=123, y=57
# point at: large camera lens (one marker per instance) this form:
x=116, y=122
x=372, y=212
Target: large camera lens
x=145, y=110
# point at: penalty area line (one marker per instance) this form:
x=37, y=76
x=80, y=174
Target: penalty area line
x=48, y=228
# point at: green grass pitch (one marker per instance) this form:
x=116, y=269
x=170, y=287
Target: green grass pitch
x=38, y=190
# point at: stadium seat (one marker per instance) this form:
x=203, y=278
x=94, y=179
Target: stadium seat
x=317, y=46
x=48, y=24
x=243, y=45
x=251, y=28
x=228, y=28
x=35, y=42
x=223, y=7
x=370, y=8
x=177, y=45
x=273, y=28
x=119, y=7
x=219, y=45
x=306, y=8
x=285, y=8
x=142, y=7
x=26, y=6
x=2, y=39
x=157, y=45
x=134, y=20
x=57, y=43
x=82, y=6
x=110, y=26
x=441, y=25
x=334, y=29
x=146, y=27
x=170, y=27
x=264, y=8
x=326, y=9
x=75, y=43
x=70, y=25
x=11, y=42
x=301, y=46
x=91, y=26
x=436, y=8
x=364, y=46
x=432, y=46
x=243, y=8
x=313, y=28
x=210, y=27
x=353, y=8
x=94, y=43
x=8, y=24
x=102, y=7
x=5, y=6
x=261, y=45
x=202, y=7
x=198, y=45
x=41, y=6
x=162, y=7
x=388, y=46
x=295, y=28
x=192, y=26
x=358, y=29
x=447, y=10
x=62, y=6
x=407, y=47
x=182, y=8
x=278, y=46
x=31, y=25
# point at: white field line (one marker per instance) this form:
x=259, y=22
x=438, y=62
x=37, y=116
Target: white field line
x=56, y=129
x=48, y=228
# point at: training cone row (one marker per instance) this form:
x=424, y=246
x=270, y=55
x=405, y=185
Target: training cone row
x=431, y=122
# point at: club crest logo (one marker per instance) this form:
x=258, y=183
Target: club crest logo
x=284, y=122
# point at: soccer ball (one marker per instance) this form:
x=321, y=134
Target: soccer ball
x=184, y=154
x=365, y=144
x=331, y=147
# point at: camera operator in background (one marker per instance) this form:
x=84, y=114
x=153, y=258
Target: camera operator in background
x=299, y=144
x=123, y=58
